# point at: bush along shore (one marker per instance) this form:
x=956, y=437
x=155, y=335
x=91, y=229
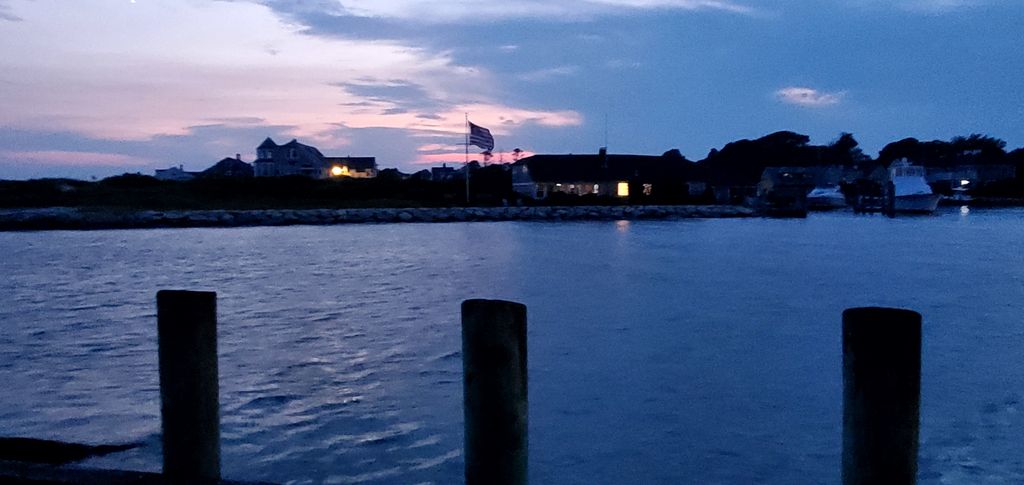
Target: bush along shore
x=74, y=218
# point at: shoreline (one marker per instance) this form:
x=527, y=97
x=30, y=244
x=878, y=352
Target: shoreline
x=70, y=218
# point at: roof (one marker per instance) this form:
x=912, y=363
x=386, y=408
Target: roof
x=302, y=147
x=279, y=153
x=229, y=167
x=605, y=168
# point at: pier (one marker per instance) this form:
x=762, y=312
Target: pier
x=881, y=373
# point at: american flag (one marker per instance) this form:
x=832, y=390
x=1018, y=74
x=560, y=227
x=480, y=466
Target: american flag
x=481, y=137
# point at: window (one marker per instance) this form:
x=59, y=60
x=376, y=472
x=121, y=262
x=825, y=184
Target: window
x=623, y=189
x=647, y=189
x=291, y=154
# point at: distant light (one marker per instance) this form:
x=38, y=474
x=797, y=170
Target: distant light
x=964, y=182
x=623, y=189
x=338, y=171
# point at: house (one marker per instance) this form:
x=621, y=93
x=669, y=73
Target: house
x=602, y=174
x=792, y=181
x=947, y=178
x=229, y=167
x=355, y=167
x=782, y=191
x=442, y=173
x=292, y=158
x=177, y=174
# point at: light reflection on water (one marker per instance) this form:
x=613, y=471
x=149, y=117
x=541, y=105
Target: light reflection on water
x=660, y=352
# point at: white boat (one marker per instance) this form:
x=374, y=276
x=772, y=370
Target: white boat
x=910, y=190
x=823, y=198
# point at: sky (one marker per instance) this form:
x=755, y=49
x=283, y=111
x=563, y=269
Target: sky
x=93, y=88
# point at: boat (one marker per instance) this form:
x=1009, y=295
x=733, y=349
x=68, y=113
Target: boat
x=910, y=190
x=825, y=198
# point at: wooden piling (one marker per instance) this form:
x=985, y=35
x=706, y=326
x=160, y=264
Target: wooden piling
x=881, y=395
x=189, y=400
x=494, y=392
x=890, y=199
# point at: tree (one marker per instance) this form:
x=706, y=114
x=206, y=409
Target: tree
x=977, y=149
x=845, y=151
x=909, y=148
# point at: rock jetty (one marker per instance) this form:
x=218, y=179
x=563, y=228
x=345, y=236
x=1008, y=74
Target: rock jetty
x=76, y=218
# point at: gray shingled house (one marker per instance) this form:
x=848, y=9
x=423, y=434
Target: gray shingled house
x=292, y=158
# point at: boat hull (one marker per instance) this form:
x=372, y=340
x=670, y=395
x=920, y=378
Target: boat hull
x=917, y=203
x=825, y=203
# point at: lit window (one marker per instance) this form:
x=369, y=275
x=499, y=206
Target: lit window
x=964, y=182
x=623, y=189
x=597, y=188
x=647, y=189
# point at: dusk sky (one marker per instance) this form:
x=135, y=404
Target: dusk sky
x=102, y=87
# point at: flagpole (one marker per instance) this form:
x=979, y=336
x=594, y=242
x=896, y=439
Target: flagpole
x=467, y=159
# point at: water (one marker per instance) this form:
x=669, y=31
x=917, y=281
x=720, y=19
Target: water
x=701, y=351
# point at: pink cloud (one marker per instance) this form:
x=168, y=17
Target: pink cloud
x=435, y=147
x=65, y=158
x=500, y=119
x=460, y=157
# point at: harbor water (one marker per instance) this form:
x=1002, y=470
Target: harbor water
x=690, y=351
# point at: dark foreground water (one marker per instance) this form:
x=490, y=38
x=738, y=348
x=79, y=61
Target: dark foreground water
x=700, y=351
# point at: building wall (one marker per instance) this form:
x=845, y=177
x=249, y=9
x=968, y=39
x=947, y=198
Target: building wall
x=174, y=173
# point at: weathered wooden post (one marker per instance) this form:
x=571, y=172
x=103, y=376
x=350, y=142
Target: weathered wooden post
x=189, y=401
x=890, y=199
x=881, y=395
x=494, y=392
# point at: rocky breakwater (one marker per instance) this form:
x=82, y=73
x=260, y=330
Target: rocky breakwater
x=74, y=218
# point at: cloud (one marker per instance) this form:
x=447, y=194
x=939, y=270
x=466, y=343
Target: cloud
x=458, y=157
x=809, y=97
x=6, y=14
x=435, y=147
x=460, y=11
x=548, y=74
x=63, y=158
x=396, y=93
x=162, y=68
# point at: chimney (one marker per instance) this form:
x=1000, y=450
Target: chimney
x=603, y=152
x=238, y=156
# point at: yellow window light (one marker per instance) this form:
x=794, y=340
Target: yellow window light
x=623, y=189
